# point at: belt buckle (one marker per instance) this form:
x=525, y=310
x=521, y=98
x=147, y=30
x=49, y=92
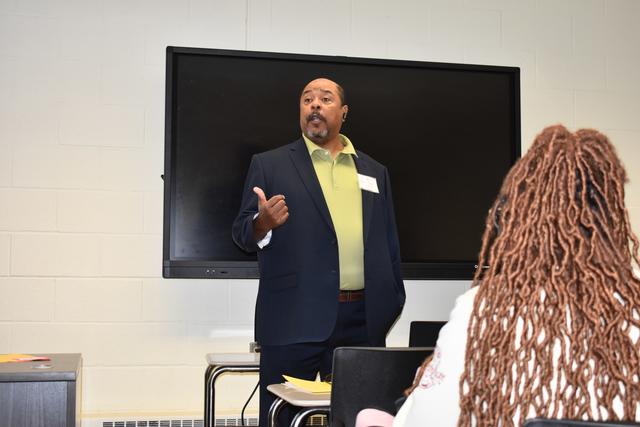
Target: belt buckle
x=348, y=296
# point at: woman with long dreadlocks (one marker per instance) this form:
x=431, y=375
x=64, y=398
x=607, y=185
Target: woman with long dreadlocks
x=550, y=327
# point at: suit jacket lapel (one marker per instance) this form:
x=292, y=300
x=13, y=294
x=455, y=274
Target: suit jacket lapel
x=367, y=198
x=302, y=161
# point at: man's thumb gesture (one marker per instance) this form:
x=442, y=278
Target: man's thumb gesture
x=261, y=197
x=272, y=213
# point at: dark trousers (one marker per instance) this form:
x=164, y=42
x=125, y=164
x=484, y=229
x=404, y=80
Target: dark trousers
x=306, y=360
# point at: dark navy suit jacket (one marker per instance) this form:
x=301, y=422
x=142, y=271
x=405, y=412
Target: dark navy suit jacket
x=299, y=278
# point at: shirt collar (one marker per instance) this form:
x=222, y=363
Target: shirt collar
x=346, y=143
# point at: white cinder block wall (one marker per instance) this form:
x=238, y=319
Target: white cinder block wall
x=81, y=153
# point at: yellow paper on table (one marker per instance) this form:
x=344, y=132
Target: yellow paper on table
x=15, y=357
x=310, y=386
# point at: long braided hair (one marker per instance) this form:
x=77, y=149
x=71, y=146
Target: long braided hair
x=552, y=328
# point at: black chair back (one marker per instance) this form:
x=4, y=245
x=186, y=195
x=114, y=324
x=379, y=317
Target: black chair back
x=424, y=333
x=543, y=422
x=371, y=377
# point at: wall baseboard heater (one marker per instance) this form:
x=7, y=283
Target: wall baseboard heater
x=315, y=420
x=166, y=422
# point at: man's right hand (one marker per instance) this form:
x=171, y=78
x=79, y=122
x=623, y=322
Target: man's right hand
x=272, y=213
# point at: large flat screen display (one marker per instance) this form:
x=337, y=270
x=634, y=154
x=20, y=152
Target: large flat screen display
x=448, y=133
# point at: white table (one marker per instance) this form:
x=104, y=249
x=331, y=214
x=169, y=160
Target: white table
x=220, y=363
x=311, y=403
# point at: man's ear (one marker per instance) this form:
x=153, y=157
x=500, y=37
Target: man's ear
x=345, y=110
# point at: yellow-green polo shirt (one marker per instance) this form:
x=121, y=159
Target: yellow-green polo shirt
x=339, y=181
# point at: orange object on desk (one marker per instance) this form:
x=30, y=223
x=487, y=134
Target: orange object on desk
x=15, y=357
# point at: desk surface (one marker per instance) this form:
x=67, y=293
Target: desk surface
x=61, y=367
x=298, y=397
x=233, y=359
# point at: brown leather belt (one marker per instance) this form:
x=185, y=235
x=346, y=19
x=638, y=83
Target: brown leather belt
x=348, y=296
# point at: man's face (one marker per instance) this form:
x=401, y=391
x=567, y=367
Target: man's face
x=321, y=111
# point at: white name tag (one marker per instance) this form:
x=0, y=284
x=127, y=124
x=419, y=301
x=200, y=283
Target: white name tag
x=368, y=183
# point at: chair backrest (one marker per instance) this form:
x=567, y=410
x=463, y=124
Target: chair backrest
x=543, y=422
x=371, y=377
x=424, y=333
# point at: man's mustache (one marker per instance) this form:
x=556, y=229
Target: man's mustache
x=313, y=116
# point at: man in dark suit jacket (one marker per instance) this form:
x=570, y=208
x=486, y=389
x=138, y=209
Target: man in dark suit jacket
x=320, y=215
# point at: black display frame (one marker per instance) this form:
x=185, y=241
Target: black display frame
x=172, y=268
